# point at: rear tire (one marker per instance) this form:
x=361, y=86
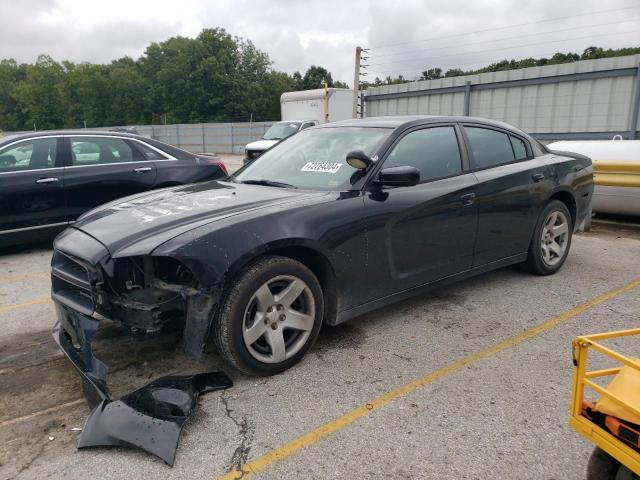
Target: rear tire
x=551, y=239
x=269, y=317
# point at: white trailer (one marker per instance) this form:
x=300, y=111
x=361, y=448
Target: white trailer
x=323, y=104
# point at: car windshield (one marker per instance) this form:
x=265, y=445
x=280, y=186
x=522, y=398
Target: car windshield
x=314, y=159
x=281, y=130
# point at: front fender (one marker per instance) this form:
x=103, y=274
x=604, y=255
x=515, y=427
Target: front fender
x=218, y=251
x=215, y=256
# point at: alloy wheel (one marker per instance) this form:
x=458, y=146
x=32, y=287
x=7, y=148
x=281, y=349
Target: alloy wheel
x=555, y=237
x=278, y=319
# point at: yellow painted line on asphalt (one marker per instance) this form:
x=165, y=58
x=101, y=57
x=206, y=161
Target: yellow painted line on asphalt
x=292, y=447
x=30, y=303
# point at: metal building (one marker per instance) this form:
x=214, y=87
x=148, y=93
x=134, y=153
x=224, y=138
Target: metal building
x=589, y=99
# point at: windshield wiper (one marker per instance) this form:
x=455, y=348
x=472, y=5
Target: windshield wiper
x=269, y=183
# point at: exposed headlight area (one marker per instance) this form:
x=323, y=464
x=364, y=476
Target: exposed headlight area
x=146, y=293
x=141, y=293
x=252, y=154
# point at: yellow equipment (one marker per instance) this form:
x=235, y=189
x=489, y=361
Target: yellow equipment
x=612, y=423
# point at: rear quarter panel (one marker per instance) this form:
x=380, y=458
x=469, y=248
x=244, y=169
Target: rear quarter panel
x=573, y=173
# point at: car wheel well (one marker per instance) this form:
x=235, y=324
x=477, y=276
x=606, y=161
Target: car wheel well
x=321, y=268
x=569, y=201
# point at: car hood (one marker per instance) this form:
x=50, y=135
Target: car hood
x=261, y=144
x=140, y=223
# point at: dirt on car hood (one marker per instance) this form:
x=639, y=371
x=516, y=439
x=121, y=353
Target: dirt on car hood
x=166, y=213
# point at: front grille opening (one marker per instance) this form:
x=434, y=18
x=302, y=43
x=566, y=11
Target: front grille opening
x=71, y=283
x=70, y=270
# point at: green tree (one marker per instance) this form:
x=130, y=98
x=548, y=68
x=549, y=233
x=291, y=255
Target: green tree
x=213, y=77
x=86, y=94
x=11, y=74
x=40, y=95
x=454, y=72
x=127, y=95
x=315, y=77
x=431, y=74
x=592, y=52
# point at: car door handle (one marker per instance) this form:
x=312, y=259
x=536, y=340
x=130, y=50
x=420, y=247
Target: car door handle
x=537, y=177
x=142, y=169
x=468, y=198
x=47, y=180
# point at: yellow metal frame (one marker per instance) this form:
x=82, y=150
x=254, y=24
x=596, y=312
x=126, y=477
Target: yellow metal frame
x=616, y=173
x=583, y=379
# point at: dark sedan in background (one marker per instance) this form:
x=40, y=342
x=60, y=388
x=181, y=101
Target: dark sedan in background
x=48, y=179
x=329, y=224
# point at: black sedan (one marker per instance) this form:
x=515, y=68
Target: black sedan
x=47, y=179
x=335, y=221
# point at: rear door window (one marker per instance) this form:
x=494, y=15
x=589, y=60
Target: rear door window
x=434, y=151
x=519, y=148
x=100, y=150
x=29, y=155
x=490, y=148
x=147, y=152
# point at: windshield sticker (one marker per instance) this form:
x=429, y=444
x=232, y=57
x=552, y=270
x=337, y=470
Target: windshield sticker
x=324, y=167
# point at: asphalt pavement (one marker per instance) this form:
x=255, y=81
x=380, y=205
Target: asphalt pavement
x=471, y=381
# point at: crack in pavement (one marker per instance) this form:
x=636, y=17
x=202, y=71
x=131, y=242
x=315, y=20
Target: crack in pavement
x=245, y=431
x=25, y=466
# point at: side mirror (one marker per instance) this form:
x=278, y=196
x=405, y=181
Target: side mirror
x=358, y=159
x=398, y=177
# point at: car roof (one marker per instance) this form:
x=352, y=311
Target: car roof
x=54, y=133
x=411, y=120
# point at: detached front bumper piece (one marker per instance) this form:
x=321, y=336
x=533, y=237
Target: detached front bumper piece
x=150, y=418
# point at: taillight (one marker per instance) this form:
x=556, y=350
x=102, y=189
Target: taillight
x=217, y=162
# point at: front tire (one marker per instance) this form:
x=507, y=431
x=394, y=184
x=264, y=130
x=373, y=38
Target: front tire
x=551, y=239
x=269, y=317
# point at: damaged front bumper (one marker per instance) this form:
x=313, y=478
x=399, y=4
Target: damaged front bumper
x=142, y=294
x=151, y=417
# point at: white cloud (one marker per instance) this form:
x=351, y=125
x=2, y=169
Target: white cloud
x=297, y=34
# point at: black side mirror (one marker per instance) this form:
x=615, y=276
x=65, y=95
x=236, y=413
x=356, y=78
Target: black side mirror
x=398, y=177
x=358, y=159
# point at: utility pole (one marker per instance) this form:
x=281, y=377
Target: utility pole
x=326, y=102
x=356, y=82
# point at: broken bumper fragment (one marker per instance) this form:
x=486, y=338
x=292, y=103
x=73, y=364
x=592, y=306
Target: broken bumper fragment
x=151, y=417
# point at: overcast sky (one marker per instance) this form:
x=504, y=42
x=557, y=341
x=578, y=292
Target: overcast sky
x=405, y=36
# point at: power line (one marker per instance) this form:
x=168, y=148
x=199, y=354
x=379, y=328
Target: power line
x=503, y=28
x=430, y=59
x=457, y=65
x=504, y=38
